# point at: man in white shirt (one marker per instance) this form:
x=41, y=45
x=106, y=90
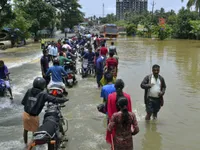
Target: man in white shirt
x=154, y=86
x=66, y=46
x=113, y=48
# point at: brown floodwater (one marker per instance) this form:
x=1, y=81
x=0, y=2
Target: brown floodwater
x=177, y=126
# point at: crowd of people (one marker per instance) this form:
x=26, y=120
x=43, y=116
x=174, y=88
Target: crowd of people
x=121, y=121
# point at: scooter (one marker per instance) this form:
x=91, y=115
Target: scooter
x=70, y=79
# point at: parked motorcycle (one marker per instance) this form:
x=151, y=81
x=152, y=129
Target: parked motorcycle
x=53, y=130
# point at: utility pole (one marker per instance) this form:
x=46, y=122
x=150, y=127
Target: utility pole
x=103, y=10
x=153, y=4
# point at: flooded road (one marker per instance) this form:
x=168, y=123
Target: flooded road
x=177, y=127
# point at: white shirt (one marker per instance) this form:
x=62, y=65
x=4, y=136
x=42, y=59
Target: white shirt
x=66, y=46
x=156, y=88
x=53, y=51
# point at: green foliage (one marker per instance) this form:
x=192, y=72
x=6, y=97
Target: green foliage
x=182, y=26
x=131, y=29
x=70, y=14
x=195, y=24
x=21, y=22
x=35, y=15
x=121, y=23
x=110, y=18
x=195, y=3
x=43, y=16
x=6, y=14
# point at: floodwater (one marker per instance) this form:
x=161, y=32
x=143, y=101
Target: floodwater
x=177, y=127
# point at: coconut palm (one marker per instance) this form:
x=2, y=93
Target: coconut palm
x=195, y=3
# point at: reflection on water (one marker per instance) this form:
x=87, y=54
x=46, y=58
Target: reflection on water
x=152, y=138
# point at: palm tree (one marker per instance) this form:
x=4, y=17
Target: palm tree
x=195, y=3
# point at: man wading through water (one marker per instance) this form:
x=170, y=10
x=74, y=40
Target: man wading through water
x=154, y=86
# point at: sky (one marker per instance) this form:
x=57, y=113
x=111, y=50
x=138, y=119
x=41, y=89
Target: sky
x=95, y=7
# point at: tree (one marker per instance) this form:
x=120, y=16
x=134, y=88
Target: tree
x=195, y=3
x=72, y=15
x=110, y=18
x=195, y=24
x=182, y=27
x=21, y=22
x=70, y=12
x=6, y=14
x=41, y=14
x=131, y=29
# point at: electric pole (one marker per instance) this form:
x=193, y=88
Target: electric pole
x=153, y=4
x=103, y=10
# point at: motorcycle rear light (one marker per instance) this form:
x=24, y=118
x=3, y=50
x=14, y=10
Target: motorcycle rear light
x=54, y=93
x=69, y=76
x=52, y=142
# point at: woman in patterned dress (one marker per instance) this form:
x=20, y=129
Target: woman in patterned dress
x=125, y=124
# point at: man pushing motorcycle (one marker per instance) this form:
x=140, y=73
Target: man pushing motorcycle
x=4, y=74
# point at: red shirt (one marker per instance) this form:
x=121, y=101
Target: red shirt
x=112, y=65
x=111, y=62
x=103, y=51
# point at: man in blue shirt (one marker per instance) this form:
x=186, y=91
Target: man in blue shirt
x=4, y=74
x=56, y=73
x=99, y=69
x=89, y=56
x=108, y=88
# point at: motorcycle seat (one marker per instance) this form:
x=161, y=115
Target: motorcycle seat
x=49, y=127
x=56, y=86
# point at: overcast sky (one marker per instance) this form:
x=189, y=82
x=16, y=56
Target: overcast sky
x=94, y=7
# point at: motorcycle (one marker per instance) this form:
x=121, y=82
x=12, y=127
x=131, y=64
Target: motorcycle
x=53, y=130
x=3, y=89
x=70, y=79
x=91, y=69
x=83, y=70
x=87, y=68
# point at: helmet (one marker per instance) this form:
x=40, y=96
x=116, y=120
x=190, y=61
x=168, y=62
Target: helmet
x=39, y=83
x=55, y=61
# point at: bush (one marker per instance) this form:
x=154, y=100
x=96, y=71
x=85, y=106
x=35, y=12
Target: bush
x=131, y=29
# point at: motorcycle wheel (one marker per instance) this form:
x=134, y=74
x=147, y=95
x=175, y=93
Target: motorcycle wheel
x=80, y=71
x=3, y=93
x=70, y=85
x=51, y=146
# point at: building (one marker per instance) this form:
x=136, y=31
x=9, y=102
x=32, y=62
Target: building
x=128, y=6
